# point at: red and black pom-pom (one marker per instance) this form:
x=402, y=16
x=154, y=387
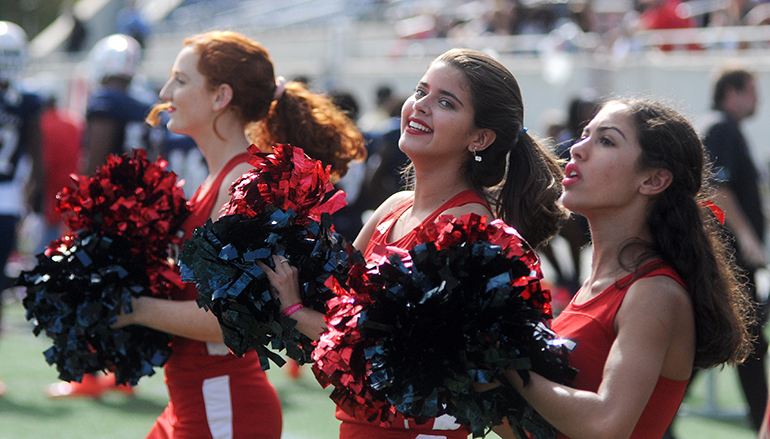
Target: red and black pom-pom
x=285, y=179
x=282, y=207
x=413, y=336
x=124, y=220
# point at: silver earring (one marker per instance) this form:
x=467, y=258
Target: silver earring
x=475, y=156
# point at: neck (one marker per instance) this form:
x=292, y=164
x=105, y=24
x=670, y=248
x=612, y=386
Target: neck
x=217, y=150
x=611, y=233
x=216, y=161
x=436, y=185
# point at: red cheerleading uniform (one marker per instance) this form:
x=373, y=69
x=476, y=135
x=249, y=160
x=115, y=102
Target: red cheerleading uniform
x=591, y=326
x=443, y=427
x=214, y=394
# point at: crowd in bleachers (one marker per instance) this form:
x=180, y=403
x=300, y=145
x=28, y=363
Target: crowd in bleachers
x=610, y=21
x=522, y=17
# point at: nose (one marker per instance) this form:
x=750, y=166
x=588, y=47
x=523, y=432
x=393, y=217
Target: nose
x=577, y=150
x=164, y=93
x=421, y=105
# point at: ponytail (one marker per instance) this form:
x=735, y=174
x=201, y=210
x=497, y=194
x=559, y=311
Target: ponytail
x=529, y=196
x=153, y=119
x=312, y=122
x=520, y=178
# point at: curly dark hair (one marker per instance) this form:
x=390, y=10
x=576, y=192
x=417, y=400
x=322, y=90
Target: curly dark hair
x=687, y=235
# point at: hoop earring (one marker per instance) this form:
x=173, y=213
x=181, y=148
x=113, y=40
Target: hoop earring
x=476, y=157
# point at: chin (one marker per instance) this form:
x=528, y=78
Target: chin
x=175, y=128
x=570, y=204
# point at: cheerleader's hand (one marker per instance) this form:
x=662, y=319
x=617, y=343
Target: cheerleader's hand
x=284, y=280
x=125, y=319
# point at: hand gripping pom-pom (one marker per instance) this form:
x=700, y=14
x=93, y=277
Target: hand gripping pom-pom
x=125, y=219
x=412, y=335
x=281, y=207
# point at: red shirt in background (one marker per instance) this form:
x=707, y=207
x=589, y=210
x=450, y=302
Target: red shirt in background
x=61, y=130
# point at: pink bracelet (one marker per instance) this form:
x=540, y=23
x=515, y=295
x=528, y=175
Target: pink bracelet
x=292, y=309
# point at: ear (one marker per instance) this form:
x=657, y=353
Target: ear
x=222, y=97
x=482, y=139
x=656, y=182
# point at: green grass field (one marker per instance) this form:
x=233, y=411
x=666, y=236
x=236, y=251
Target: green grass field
x=26, y=413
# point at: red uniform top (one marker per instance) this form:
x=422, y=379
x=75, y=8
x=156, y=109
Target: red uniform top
x=378, y=248
x=591, y=326
x=212, y=392
x=61, y=131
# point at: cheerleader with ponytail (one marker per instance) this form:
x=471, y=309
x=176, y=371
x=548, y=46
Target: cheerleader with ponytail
x=471, y=157
x=222, y=90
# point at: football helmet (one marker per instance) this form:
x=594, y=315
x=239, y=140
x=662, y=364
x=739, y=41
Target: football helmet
x=13, y=50
x=114, y=56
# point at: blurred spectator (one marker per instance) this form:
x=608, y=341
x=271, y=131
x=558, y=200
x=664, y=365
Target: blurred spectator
x=372, y=120
x=584, y=15
x=540, y=19
x=61, y=130
x=19, y=146
x=347, y=221
x=738, y=193
x=367, y=184
x=662, y=14
x=384, y=164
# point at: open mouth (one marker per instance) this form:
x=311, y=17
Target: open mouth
x=419, y=127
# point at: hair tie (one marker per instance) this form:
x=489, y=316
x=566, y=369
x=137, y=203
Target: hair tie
x=280, y=86
x=719, y=213
x=523, y=130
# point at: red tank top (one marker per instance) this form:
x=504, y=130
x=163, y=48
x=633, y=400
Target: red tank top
x=591, y=325
x=378, y=248
x=201, y=205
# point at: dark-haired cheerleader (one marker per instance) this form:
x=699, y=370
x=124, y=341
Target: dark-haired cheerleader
x=461, y=128
x=662, y=297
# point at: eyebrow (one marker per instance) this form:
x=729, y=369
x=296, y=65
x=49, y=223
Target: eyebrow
x=606, y=128
x=445, y=93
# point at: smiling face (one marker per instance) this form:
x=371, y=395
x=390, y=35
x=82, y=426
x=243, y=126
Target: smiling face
x=437, y=120
x=189, y=95
x=603, y=172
